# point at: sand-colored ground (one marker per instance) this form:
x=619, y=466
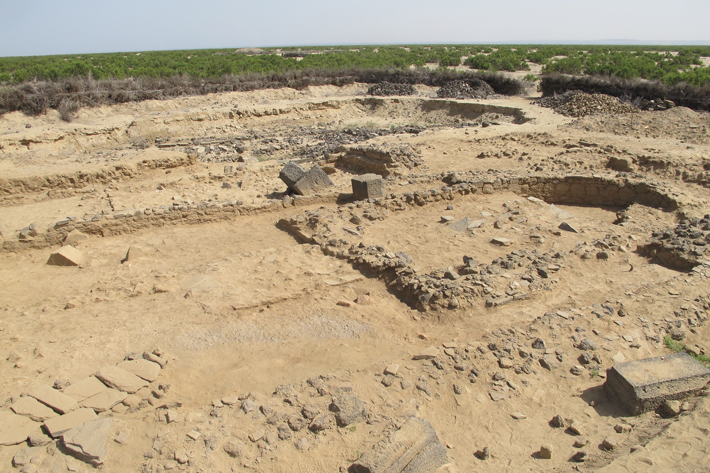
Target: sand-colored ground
x=241, y=306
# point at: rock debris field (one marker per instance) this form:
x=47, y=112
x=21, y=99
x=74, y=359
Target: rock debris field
x=363, y=279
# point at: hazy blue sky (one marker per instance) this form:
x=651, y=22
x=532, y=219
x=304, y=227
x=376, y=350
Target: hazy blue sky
x=34, y=27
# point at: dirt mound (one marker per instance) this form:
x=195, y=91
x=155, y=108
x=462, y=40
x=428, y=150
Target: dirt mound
x=465, y=89
x=385, y=89
x=679, y=123
x=576, y=103
x=383, y=160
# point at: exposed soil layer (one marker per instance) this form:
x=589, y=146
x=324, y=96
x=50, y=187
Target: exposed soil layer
x=515, y=255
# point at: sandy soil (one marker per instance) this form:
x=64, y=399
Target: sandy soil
x=238, y=306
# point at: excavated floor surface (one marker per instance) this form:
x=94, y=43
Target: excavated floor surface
x=285, y=315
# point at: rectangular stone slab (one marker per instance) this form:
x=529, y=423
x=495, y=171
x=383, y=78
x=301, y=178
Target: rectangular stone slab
x=104, y=400
x=644, y=385
x=57, y=426
x=30, y=407
x=121, y=379
x=142, y=368
x=57, y=400
x=15, y=429
x=414, y=448
x=85, y=388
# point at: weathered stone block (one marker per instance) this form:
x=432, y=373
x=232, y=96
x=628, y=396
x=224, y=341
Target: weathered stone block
x=644, y=385
x=414, y=448
x=313, y=181
x=368, y=186
x=291, y=173
x=67, y=256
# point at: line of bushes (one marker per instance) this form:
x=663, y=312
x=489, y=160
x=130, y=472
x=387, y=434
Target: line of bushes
x=630, y=90
x=69, y=95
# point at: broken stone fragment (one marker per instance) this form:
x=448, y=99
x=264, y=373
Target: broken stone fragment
x=426, y=354
x=501, y=241
x=68, y=256
x=89, y=441
x=14, y=428
x=567, y=227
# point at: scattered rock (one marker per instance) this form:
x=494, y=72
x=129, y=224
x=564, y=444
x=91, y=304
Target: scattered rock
x=546, y=451
x=558, y=421
x=609, y=443
x=672, y=408
x=567, y=227
x=233, y=447
x=427, y=354
x=348, y=410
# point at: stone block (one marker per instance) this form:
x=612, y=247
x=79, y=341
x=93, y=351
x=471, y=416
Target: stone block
x=313, y=181
x=57, y=426
x=120, y=379
x=368, y=186
x=35, y=410
x=142, y=368
x=291, y=173
x=85, y=388
x=57, y=400
x=104, y=400
x=67, y=256
x=644, y=385
x=414, y=448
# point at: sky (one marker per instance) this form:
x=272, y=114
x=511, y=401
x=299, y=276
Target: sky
x=43, y=27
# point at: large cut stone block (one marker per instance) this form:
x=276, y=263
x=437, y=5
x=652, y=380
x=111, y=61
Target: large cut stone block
x=68, y=256
x=368, y=186
x=313, y=181
x=414, y=448
x=56, y=426
x=643, y=385
x=121, y=379
x=57, y=400
x=291, y=173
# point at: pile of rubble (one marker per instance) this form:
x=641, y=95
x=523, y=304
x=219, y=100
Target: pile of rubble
x=78, y=418
x=657, y=104
x=385, y=89
x=683, y=246
x=383, y=160
x=576, y=103
x=465, y=89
